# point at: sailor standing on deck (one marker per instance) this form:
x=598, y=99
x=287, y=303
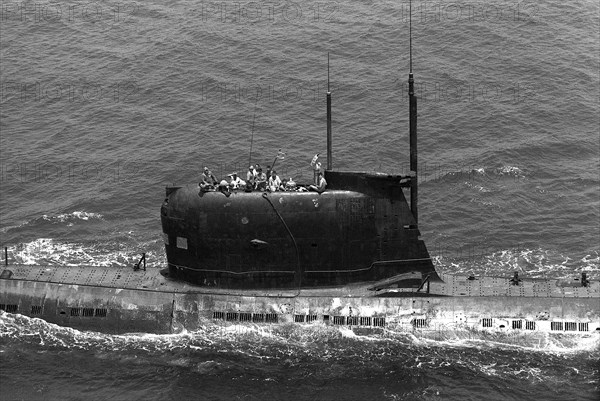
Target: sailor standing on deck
x=251, y=176
x=316, y=165
x=251, y=173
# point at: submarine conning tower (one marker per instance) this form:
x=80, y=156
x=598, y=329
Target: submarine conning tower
x=359, y=230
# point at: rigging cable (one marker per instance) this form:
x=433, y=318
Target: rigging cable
x=266, y=196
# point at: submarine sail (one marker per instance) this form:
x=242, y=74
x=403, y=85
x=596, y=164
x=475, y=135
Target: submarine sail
x=360, y=229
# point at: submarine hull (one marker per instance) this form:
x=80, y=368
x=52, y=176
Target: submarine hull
x=144, y=301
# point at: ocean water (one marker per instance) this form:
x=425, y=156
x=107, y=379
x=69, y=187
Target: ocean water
x=104, y=103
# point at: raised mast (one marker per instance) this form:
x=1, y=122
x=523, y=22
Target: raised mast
x=412, y=112
x=329, y=155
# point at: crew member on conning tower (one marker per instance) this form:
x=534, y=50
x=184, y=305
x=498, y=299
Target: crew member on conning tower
x=208, y=178
x=236, y=182
x=274, y=182
x=261, y=180
x=322, y=184
x=251, y=175
x=316, y=165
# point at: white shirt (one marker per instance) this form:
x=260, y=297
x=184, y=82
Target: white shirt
x=236, y=182
x=275, y=183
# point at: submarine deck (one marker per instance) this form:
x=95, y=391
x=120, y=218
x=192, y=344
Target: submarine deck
x=452, y=285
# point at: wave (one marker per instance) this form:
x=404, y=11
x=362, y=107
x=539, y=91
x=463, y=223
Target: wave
x=337, y=353
x=480, y=259
x=306, y=337
x=69, y=218
x=73, y=216
x=121, y=250
x=470, y=172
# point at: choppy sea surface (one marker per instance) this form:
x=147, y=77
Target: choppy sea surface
x=104, y=103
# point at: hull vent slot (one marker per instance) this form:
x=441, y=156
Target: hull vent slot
x=311, y=318
x=419, y=323
x=36, y=309
x=365, y=321
x=339, y=320
x=219, y=315
x=75, y=312
x=271, y=318
x=517, y=324
x=231, y=316
x=556, y=326
x=258, y=317
x=379, y=321
x=352, y=320
x=583, y=327
x=298, y=318
x=570, y=326
x=245, y=317
x=529, y=325
x=486, y=322
x=101, y=312
x=8, y=308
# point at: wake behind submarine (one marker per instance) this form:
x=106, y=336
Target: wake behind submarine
x=348, y=256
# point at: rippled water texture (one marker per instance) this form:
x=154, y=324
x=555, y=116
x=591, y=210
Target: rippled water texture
x=104, y=103
x=242, y=362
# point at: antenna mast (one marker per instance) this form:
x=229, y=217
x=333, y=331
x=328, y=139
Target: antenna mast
x=329, y=152
x=412, y=112
x=252, y=133
x=410, y=35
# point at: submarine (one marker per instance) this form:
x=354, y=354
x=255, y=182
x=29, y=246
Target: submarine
x=349, y=256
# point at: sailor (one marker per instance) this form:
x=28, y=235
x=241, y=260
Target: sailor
x=322, y=184
x=268, y=171
x=251, y=174
x=274, y=182
x=236, y=182
x=316, y=165
x=261, y=180
x=224, y=188
x=208, y=178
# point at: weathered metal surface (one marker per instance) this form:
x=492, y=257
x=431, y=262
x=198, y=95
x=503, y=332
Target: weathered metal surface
x=145, y=301
x=360, y=229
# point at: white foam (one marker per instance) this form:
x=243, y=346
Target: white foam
x=44, y=251
x=76, y=215
x=510, y=170
x=534, y=263
x=558, y=344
